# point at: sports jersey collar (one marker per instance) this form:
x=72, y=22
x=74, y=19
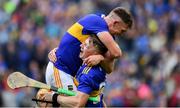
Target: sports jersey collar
x=102, y=15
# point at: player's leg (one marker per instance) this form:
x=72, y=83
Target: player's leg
x=67, y=81
x=59, y=78
x=50, y=75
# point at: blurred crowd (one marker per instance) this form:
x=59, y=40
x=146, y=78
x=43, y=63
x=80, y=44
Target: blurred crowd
x=148, y=73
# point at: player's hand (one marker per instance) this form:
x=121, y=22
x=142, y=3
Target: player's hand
x=52, y=55
x=93, y=60
x=48, y=96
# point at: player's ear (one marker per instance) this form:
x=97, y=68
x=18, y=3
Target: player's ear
x=116, y=23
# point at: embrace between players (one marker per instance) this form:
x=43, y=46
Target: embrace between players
x=84, y=56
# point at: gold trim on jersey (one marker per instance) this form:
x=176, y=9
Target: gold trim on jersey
x=95, y=93
x=86, y=70
x=76, y=31
x=75, y=81
x=57, y=78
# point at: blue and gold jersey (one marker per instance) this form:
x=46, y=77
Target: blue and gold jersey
x=91, y=80
x=69, y=48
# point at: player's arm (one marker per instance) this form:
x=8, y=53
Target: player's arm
x=69, y=101
x=105, y=61
x=83, y=90
x=107, y=64
x=73, y=101
x=113, y=48
x=114, y=51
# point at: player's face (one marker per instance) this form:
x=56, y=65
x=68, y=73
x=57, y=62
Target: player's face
x=87, y=49
x=118, y=28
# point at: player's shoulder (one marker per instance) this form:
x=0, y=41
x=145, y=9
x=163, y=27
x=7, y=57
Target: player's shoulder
x=91, y=18
x=92, y=70
x=96, y=72
x=93, y=74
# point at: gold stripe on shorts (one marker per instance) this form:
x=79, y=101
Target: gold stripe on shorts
x=57, y=78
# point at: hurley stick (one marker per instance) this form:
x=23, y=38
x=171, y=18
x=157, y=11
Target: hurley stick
x=18, y=80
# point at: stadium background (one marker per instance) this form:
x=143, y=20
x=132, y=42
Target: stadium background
x=148, y=74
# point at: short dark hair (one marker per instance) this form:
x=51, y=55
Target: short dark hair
x=124, y=14
x=98, y=44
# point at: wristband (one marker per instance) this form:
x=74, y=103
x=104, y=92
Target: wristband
x=54, y=99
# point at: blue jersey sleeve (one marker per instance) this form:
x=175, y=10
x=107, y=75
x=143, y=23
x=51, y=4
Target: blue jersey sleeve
x=93, y=24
